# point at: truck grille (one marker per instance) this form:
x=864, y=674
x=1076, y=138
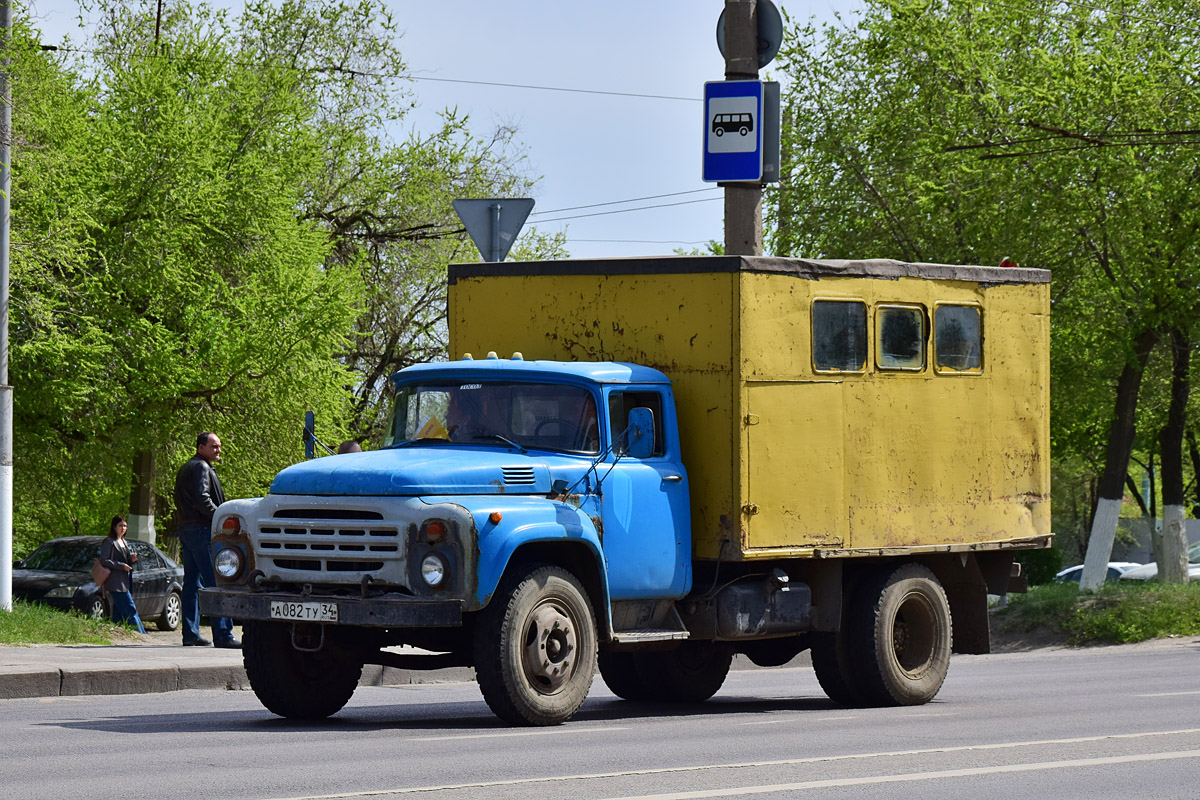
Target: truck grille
x=331, y=541
x=518, y=476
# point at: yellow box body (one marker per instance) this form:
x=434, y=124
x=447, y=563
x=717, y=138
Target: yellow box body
x=784, y=460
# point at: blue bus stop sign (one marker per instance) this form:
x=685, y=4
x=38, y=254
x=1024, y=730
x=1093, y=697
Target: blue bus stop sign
x=733, y=136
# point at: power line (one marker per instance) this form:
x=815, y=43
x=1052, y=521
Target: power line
x=627, y=210
x=542, y=88
x=390, y=76
x=630, y=200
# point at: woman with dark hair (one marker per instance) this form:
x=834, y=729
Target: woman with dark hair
x=118, y=557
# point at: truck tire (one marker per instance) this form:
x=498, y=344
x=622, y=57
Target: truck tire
x=621, y=675
x=900, y=637
x=831, y=663
x=535, y=647
x=689, y=673
x=293, y=683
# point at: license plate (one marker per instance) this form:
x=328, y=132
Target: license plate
x=305, y=612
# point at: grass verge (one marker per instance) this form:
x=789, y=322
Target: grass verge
x=31, y=623
x=1120, y=613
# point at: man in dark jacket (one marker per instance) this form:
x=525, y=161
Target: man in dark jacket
x=197, y=494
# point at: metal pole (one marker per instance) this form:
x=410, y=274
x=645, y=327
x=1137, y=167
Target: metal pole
x=495, y=209
x=743, y=201
x=6, y=397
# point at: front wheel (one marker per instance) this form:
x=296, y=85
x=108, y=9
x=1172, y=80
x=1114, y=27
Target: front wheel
x=900, y=637
x=689, y=673
x=535, y=648
x=293, y=683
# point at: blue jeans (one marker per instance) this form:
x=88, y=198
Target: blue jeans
x=123, y=609
x=196, y=543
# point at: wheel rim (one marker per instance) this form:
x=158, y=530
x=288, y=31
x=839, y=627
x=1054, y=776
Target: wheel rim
x=174, y=610
x=914, y=634
x=97, y=610
x=550, y=644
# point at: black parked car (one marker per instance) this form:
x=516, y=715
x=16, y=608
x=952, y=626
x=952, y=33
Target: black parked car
x=59, y=574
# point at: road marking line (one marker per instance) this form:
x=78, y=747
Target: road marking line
x=743, y=765
x=835, y=783
x=1166, y=694
x=511, y=734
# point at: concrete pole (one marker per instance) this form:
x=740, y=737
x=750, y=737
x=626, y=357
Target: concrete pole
x=743, y=201
x=6, y=395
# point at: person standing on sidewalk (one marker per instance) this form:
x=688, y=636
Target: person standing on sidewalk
x=197, y=494
x=116, y=554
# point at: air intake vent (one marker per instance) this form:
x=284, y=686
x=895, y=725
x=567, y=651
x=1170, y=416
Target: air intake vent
x=518, y=476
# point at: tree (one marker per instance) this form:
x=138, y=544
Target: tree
x=964, y=131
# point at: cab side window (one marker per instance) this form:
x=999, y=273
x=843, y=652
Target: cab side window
x=621, y=403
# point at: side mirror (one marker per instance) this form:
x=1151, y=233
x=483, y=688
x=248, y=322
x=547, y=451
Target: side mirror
x=639, y=433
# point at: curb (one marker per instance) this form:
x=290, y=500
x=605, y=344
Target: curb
x=32, y=681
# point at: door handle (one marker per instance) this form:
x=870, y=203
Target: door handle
x=673, y=478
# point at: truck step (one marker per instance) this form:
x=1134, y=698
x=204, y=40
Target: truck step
x=649, y=635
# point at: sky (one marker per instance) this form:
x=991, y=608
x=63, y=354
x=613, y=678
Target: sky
x=584, y=149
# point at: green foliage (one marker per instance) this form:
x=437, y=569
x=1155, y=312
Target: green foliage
x=1040, y=566
x=1121, y=612
x=214, y=229
x=963, y=131
x=31, y=623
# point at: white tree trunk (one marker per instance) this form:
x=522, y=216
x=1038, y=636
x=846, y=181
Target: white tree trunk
x=1173, y=568
x=1100, y=544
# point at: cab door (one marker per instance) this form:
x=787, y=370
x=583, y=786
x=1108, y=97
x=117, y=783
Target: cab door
x=645, y=509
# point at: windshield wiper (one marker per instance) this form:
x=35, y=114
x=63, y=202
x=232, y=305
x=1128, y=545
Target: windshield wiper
x=424, y=440
x=504, y=439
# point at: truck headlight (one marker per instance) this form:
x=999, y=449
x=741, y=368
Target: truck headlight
x=228, y=562
x=433, y=569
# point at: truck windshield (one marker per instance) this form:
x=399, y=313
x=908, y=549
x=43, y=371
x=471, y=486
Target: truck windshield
x=535, y=415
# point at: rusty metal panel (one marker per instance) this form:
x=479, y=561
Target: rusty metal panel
x=853, y=463
x=927, y=457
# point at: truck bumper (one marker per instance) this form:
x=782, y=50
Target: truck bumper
x=376, y=612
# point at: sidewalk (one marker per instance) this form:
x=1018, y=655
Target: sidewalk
x=158, y=663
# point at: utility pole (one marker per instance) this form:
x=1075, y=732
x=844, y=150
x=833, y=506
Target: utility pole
x=743, y=201
x=6, y=392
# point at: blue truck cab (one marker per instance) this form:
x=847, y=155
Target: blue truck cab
x=501, y=480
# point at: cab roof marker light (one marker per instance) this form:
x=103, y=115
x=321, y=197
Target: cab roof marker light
x=468, y=357
x=492, y=355
x=517, y=356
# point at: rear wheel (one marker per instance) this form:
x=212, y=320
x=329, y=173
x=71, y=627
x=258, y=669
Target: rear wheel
x=293, y=683
x=900, y=637
x=831, y=663
x=171, y=614
x=96, y=609
x=535, y=648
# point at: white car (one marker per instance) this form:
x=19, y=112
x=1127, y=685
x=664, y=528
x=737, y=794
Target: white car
x=1116, y=569
x=1150, y=571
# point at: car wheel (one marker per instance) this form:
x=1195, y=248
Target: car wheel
x=172, y=613
x=96, y=608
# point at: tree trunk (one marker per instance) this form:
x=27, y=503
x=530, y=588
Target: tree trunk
x=1116, y=464
x=1173, y=562
x=141, y=499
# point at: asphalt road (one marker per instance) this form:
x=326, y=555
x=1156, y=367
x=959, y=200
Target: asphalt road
x=1118, y=722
